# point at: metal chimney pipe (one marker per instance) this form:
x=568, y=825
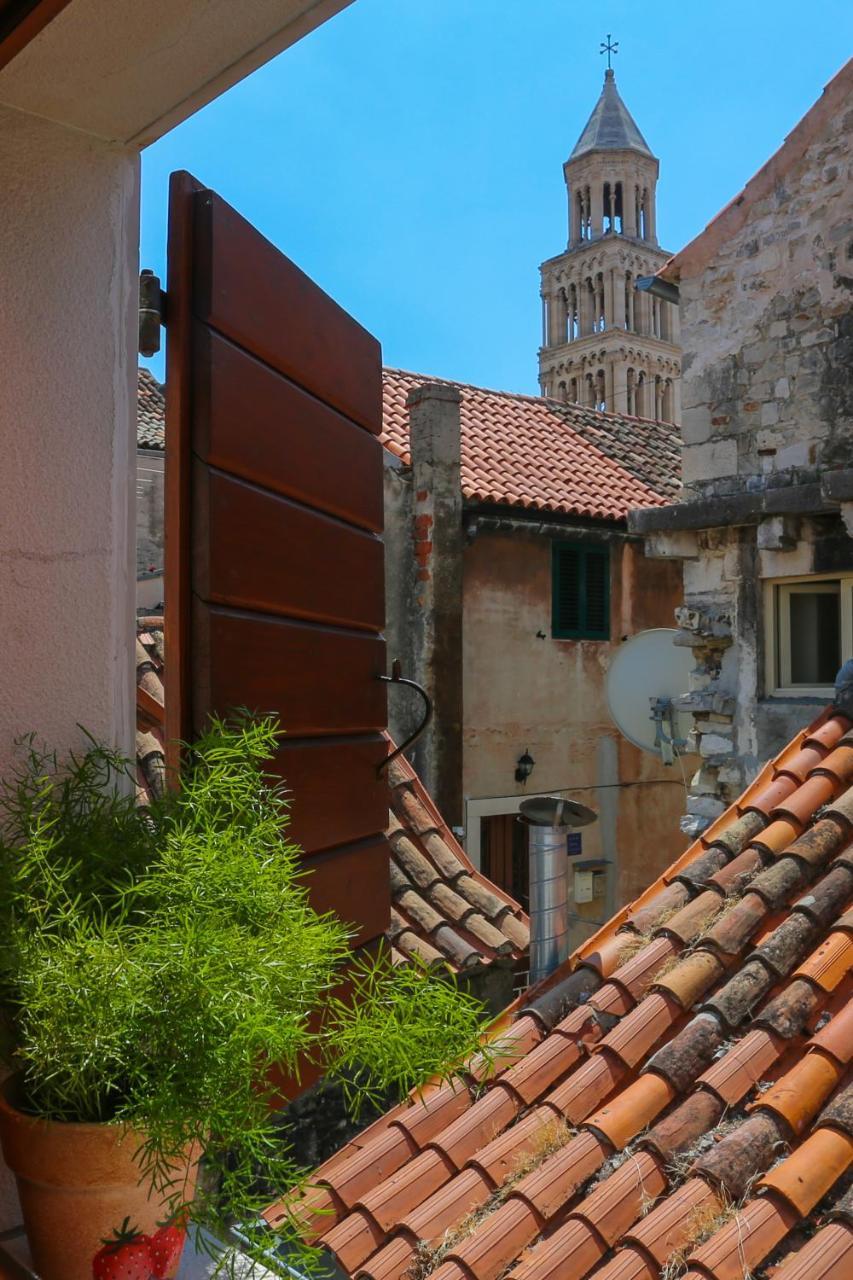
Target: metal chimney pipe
x=549, y=899
x=549, y=819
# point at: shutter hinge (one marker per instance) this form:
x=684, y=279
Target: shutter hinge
x=152, y=312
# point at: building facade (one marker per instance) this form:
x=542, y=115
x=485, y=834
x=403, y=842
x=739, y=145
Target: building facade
x=511, y=582
x=763, y=528
x=605, y=344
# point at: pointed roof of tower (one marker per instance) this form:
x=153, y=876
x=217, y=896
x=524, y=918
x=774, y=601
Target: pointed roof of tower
x=611, y=127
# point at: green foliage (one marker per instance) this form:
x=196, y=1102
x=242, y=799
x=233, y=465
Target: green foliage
x=154, y=962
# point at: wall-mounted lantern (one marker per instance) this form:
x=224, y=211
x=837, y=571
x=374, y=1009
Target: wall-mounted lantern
x=524, y=767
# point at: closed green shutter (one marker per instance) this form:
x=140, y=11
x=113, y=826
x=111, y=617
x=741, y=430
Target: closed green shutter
x=581, y=592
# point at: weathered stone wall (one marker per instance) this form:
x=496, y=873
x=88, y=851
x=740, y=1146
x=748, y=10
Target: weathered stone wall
x=767, y=330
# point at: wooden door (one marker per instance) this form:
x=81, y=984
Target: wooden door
x=274, y=558
x=504, y=855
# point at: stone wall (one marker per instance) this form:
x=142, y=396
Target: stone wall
x=767, y=330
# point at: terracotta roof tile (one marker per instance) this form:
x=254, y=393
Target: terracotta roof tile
x=532, y=452
x=150, y=412
x=444, y=910
x=701, y=1066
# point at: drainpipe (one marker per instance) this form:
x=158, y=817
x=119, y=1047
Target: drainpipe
x=549, y=820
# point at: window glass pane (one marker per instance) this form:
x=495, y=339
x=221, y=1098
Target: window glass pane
x=815, y=636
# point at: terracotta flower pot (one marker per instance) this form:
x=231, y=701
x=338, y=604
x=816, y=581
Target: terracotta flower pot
x=77, y=1184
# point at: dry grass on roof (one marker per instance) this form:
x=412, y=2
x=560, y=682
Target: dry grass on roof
x=550, y=1139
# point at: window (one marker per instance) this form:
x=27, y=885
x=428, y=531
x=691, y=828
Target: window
x=581, y=592
x=809, y=630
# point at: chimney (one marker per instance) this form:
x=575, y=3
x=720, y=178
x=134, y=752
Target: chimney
x=437, y=544
x=549, y=819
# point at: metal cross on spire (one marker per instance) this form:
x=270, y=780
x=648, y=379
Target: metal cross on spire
x=608, y=48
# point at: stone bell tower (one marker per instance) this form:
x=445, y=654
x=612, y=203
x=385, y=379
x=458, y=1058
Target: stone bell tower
x=605, y=344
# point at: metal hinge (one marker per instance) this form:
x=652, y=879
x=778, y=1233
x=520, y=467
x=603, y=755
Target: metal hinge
x=152, y=312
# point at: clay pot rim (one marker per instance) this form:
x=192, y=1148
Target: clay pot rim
x=17, y=1116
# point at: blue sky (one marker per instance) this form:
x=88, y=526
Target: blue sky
x=408, y=154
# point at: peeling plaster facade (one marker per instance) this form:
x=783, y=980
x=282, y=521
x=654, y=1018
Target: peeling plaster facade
x=767, y=329
x=468, y=601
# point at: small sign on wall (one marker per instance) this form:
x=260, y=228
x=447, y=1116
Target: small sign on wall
x=590, y=880
x=574, y=844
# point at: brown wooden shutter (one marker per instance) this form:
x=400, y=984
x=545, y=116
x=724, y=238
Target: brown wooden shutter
x=274, y=557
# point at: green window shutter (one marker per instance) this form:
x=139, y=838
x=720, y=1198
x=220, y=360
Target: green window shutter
x=568, y=610
x=597, y=593
x=581, y=592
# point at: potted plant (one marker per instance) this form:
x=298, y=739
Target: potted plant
x=153, y=963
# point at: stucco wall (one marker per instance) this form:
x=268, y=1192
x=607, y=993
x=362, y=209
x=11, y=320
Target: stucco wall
x=523, y=692
x=767, y=329
x=67, y=421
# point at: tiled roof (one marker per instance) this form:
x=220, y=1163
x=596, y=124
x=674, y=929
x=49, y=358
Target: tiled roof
x=442, y=909
x=150, y=412
x=675, y=1100
x=611, y=127
x=541, y=454
x=150, y=739
x=524, y=451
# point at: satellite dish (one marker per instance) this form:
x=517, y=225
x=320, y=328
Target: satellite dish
x=644, y=677
x=556, y=811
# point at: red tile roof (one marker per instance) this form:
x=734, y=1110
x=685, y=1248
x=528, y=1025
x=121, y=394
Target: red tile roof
x=523, y=451
x=675, y=1099
x=150, y=412
x=531, y=452
x=444, y=912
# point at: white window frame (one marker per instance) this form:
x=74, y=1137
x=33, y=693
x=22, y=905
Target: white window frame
x=777, y=634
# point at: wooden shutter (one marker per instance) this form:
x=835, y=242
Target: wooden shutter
x=274, y=557
x=581, y=591
x=596, y=592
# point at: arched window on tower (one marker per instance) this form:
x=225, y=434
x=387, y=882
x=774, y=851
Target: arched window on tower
x=572, y=320
x=668, y=401
x=643, y=221
x=665, y=322
x=573, y=390
x=584, y=213
x=658, y=397
x=629, y=300
x=590, y=391
x=600, y=392
x=630, y=380
x=598, y=313
x=561, y=392
x=640, y=396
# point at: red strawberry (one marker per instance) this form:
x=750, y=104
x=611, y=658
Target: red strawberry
x=166, y=1245
x=124, y=1256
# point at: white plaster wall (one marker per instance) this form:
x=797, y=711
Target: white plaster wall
x=68, y=266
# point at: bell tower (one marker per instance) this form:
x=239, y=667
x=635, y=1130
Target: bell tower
x=606, y=345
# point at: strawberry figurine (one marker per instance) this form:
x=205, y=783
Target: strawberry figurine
x=126, y=1255
x=166, y=1244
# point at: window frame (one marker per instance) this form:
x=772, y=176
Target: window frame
x=777, y=630
x=584, y=549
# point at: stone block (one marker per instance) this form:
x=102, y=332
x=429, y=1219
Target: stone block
x=714, y=744
x=778, y=533
x=681, y=545
x=709, y=461
x=769, y=413
x=705, y=806
x=782, y=388
x=692, y=825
